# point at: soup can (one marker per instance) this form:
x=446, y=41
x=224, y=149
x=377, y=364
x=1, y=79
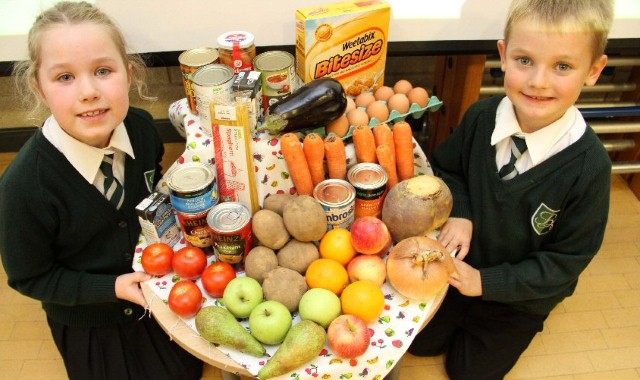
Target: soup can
x=337, y=198
x=370, y=182
x=229, y=225
x=190, y=61
x=193, y=188
x=194, y=228
x=211, y=82
x=278, y=75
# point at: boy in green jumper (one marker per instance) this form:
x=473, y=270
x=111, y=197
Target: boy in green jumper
x=527, y=219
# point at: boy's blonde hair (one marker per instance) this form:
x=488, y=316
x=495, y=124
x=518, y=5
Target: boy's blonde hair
x=594, y=16
x=71, y=13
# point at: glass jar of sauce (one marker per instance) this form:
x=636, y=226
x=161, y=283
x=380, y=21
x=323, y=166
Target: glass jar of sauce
x=237, y=50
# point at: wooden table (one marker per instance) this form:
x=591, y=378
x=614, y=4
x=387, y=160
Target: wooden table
x=188, y=339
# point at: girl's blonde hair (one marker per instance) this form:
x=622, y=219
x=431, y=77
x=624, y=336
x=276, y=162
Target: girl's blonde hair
x=594, y=16
x=71, y=13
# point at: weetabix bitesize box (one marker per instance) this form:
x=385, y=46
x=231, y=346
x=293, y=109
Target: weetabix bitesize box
x=346, y=41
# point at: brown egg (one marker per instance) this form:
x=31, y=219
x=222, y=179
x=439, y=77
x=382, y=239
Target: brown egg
x=339, y=126
x=364, y=99
x=379, y=110
x=402, y=86
x=383, y=93
x=399, y=102
x=358, y=117
x=350, y=104
x=418, y=95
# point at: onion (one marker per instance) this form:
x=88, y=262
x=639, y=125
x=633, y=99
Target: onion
x=419, y=267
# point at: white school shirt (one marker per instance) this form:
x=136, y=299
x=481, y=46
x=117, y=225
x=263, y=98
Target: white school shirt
x=85, y=158
x=541, y=144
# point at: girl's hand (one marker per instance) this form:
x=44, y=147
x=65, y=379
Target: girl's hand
x=467, y=280
x=456, y=232
x=128, y=288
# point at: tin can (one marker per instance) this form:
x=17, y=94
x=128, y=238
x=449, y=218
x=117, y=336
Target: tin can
x=337, y=198
x=230, y=229
x=370, y=182
x=278, y=75
x=194, y=228
x=190, y=61
x=193, y=188
x=210, y=82
x=237, y=50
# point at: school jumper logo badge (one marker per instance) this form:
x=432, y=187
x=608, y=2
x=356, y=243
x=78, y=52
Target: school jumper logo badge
x=148, y=179
x=543, y=219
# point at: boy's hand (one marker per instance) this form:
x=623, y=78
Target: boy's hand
x=467, y=280
x=456, y=232
x=128, y=288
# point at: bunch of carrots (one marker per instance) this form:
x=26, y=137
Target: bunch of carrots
x=391, y=149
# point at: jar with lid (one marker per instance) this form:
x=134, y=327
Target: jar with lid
x=237, y=50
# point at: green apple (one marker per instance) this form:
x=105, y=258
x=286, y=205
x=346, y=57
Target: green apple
x=269, y=322
x=241, y=295
x=319, y=305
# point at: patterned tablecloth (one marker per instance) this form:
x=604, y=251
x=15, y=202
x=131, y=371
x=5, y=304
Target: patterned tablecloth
x=391, y=333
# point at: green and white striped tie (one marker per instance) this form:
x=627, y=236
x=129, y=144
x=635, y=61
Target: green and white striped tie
x=518, y=147
x=113, y=189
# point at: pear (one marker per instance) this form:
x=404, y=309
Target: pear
x=303, y=343
x=217, y=325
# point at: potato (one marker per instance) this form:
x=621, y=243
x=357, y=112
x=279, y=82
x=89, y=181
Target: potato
x=260, y=261
x=276, y=202
x=268, y=227
x=297, y=255
x=305, y=218
x=285, y=286
x=416, y=206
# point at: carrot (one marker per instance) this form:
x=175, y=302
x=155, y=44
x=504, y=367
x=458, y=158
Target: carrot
x=336, y=155
x=297, y=163
x=383, y=136
x=313, y=147
x=403, y=141
x=364, y=144
x=388, y=163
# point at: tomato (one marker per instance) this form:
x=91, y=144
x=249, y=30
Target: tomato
x=156, y=259
x=216, y=277
x=189, y=262
x=185, y=298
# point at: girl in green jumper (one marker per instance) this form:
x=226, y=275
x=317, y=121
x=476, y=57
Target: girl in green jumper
x=530, y=183
x=68, y=226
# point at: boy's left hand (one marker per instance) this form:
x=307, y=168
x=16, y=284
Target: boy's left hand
x=467, y=280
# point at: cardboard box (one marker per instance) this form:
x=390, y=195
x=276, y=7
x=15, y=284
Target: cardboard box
x=346, y=41
x=157, y=219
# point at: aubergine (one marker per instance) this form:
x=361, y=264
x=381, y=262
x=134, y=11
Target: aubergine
x=313, y=105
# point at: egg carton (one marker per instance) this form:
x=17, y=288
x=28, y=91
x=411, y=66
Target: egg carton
x=415, y=111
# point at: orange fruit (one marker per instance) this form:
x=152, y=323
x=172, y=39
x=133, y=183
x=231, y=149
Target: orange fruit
x=364, y=299
x=327, y=274
x=336, y=245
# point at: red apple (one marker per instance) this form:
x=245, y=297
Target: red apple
x=348, y=336
x=367, y=267
x=369, y=235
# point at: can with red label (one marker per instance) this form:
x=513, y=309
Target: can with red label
x=194, y=228
x=230, y=229
x=190, y=61
x=370, y=182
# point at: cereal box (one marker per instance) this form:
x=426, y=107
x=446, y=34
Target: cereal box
x=346, y=41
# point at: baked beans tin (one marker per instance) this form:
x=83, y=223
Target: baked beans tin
x=370, y=182
x=337, y=198
x=193, y=188
x=190, y=61
x=194, y=228
x=278, y=75
x=210, y=82
x=230, y=228
x=237, y=50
